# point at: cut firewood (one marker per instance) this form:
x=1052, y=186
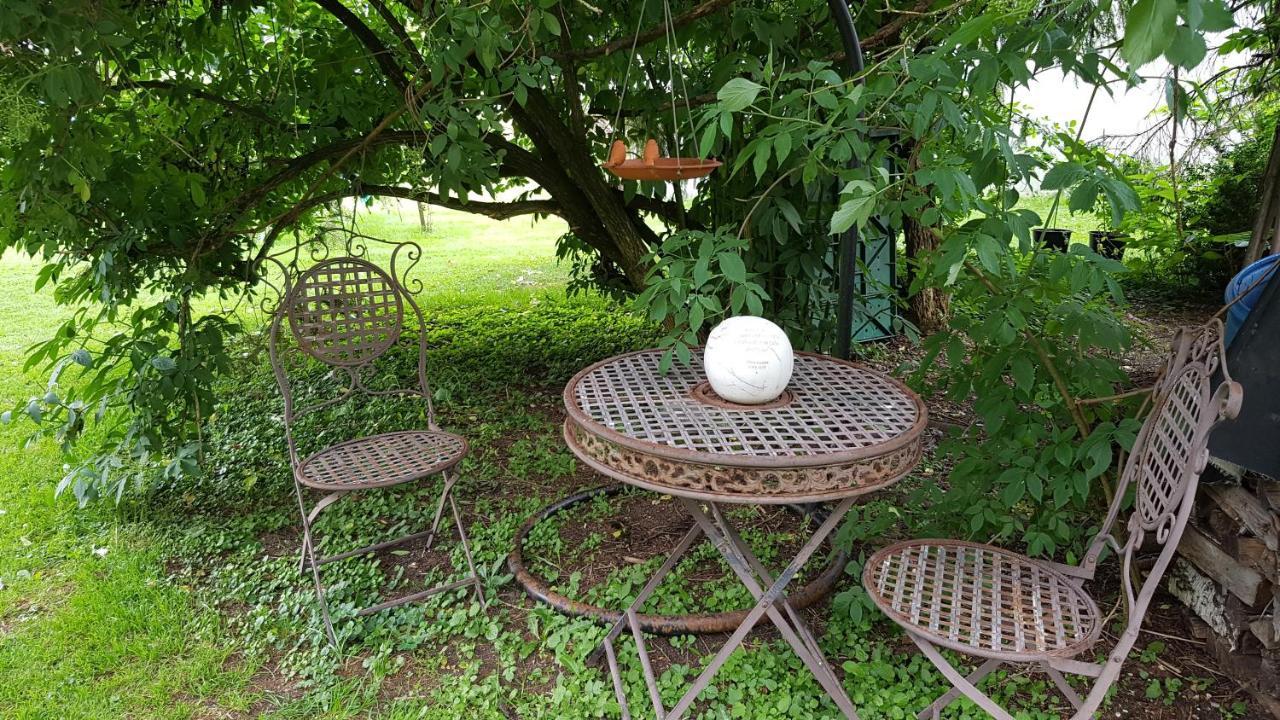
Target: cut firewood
x=1243, y=582
x=1248, y=511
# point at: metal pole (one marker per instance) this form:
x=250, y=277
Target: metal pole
x=847, y=260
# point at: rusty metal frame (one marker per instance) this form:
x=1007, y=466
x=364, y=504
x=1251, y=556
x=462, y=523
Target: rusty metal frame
x=771, y=601
x=349, y=338
x=1170, y=452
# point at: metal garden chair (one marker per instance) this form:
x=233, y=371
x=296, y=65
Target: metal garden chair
x=994, y=604
x=347, y=313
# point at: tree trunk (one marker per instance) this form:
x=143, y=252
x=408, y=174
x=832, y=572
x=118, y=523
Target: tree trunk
x=930, y=307
x=595, y=211
x=1269, y=208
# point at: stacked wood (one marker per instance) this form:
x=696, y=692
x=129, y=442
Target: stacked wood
x=1229, y=576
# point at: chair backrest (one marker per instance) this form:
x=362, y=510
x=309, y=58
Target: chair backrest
x=346, y=312
x=1192, y=394
x=1169, y=454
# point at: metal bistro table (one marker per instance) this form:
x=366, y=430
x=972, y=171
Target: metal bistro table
x=839, y=431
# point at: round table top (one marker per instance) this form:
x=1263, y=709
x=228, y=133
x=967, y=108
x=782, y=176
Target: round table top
x=839, y=430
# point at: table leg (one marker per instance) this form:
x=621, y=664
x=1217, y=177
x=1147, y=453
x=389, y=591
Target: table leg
x=744, y=550
x=681, y=548
x=792, y=628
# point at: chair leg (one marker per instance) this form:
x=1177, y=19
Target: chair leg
x=309, y=558
x=1065, y=687
x=466, y=550
x=958, y=681
x=953, y=694
x=445, y=496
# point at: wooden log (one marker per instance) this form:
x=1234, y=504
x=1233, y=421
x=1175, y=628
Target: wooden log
x=1254, y=553
x=1269, y=491
x=1264, y=628
x=1259, y=674
x=1243, y=582
x=1204, y=597
x=1247, y=510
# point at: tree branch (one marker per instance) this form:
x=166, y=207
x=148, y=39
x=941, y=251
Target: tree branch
x=233, y=105
x=367, y=37
x=665, y=209
x=495, y=210
x=889, y=31
x=644, y=36
x=397, y=29
x=306, y=161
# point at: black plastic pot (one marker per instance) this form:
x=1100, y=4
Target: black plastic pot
x=1108, y=243
x=1052, y=238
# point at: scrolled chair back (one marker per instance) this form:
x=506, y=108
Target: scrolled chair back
x=1192, y=394
x=346, y=312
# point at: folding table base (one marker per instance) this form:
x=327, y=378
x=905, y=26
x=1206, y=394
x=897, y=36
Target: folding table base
x=771, y=600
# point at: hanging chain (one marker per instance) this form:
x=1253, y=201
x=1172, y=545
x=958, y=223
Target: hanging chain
x=631, y=58
x=671, y=72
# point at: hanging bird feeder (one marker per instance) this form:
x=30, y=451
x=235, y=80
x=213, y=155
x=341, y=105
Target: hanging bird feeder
x=651, y=165
x=654, y=167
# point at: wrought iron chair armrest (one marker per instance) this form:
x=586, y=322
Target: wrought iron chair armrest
x=1071, y=571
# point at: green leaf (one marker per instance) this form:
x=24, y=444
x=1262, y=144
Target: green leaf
x=708, y=139
x=695, y=316
x=854, y=211
x=1062, y=175
x=989, y=253
x=1098, y=459
x=1013, y=493
x=732, y=266
x=782, y=146
x=738, y=93
x=1209, y=15
x=789, y=213
x=973, y=29
x=1024, y=373
x=551, y=23
x=1187, y=49
x=197, y=193
x=1148, y=30
x=1084, y=196
x=1035, y=486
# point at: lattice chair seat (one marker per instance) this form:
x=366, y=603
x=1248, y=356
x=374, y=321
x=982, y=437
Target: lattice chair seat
x=382, y=460
x=982, y=600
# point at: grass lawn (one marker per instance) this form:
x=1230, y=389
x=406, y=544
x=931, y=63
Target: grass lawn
x=89, y=627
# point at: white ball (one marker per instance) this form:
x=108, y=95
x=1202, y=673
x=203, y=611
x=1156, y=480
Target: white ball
x=748, y=360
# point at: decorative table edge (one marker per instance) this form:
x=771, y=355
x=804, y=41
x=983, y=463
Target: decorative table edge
x=757, y=485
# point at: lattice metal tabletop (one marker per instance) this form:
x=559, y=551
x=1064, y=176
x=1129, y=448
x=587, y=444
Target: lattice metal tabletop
x=839, y=430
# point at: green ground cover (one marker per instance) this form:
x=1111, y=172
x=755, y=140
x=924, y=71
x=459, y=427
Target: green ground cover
x=186, y=601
